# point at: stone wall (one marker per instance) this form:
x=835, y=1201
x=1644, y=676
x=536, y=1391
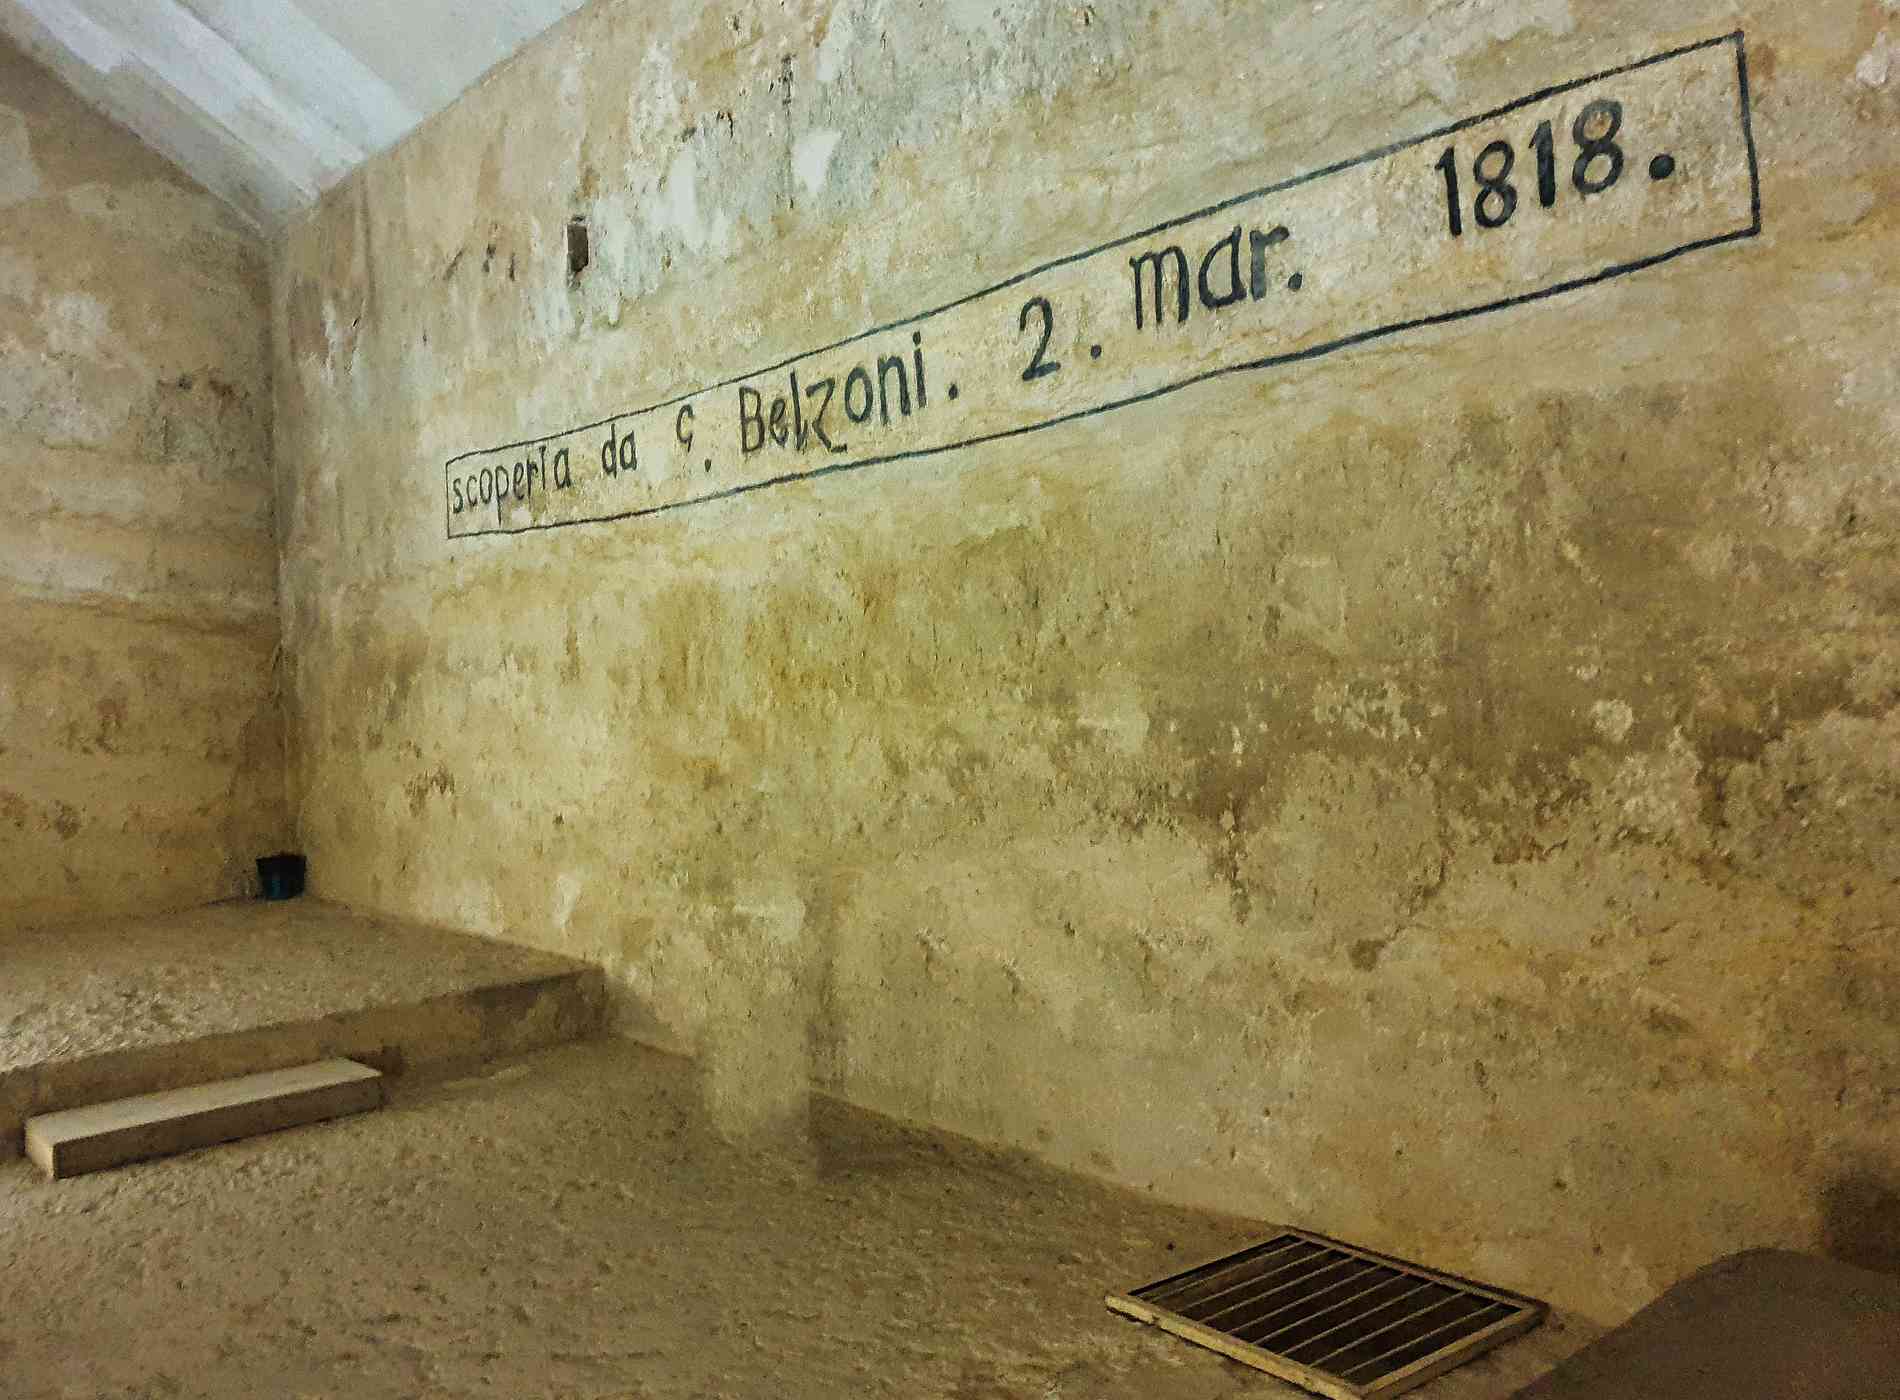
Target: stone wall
x=1439, y=786
x=141, y=748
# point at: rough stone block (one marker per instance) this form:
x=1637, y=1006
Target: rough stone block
x=81, y=1140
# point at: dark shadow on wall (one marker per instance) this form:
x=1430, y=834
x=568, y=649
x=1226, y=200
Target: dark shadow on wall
x=1860, y=1222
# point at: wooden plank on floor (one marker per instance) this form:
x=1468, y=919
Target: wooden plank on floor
x=81, y=1140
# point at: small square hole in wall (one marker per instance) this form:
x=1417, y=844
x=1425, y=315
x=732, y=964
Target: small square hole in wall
x=576, y=250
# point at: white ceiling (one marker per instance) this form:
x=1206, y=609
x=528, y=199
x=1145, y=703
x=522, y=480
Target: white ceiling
x=268, y=103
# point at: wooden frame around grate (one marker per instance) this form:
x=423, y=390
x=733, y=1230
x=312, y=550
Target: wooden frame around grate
x=1348, y=1265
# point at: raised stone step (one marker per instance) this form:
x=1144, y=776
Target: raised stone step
x=104, y=1011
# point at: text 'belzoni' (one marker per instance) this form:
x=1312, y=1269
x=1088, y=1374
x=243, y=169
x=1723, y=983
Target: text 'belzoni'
x=1560, y=190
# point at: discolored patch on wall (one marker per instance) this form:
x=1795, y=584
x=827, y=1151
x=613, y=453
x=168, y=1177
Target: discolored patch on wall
x=421, y=787
x=19, y=175
x=1861, y=1221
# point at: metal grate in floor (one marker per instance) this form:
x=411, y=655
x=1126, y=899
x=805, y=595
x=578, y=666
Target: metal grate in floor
x=1338, y=1320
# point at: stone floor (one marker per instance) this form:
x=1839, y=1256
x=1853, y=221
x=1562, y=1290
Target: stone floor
x=571, y=1225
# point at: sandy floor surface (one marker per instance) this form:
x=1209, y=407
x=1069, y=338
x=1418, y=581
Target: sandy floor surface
x=569, y=1225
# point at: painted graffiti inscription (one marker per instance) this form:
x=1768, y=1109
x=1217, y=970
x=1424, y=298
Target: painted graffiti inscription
x=1561, y=190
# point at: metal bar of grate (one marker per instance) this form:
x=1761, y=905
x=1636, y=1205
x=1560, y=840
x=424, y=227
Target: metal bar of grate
x=1353, y=1274
x=1218, y=1277
x=1407, y=1289
x=1295, y=1285
x=1287, y=1267
x=1384, y=1362
x=1424, y=1309
x=1395, y=1357
x=1403, y=1282
x=1207, y=1275
x=1342, y=1321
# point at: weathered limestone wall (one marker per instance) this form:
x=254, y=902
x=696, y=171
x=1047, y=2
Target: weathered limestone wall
x=1444, y=791
x=141, y=748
